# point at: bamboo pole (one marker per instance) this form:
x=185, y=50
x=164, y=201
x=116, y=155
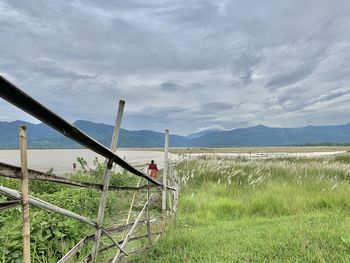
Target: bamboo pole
x=128, y=236
x=11, y=171
x=176, y=192
x=86, y=239
x=46, y=206
x=9, y=204
x=25, y=194
x=165, y=169
x=169, y=197
x=170, y=182
x=17, y=97
x=107, y=247
x=130, y=208
x=75, y=249
x=149, y=233
x=53, y=208
x=106, y=179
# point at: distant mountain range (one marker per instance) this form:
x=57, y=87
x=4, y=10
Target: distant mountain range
x=42, y=136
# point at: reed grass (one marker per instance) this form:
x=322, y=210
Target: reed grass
x=271, y=210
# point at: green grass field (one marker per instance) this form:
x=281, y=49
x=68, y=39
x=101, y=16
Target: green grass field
x=280, y=210
x=230, y=210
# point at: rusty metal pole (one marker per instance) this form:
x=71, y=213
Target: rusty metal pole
x=106, y=179
x=25, y=193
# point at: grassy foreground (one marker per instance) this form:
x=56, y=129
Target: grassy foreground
x=280, y=210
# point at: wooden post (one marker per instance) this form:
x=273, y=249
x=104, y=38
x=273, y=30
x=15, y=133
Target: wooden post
x=165, y=169
x=149, y=233
x=25, y=193
x=106, y=179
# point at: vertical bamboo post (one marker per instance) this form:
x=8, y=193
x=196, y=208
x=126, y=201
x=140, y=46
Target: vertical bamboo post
x=106, y=179
x=165, y=170
x=149, y=233
x=176, y=192
x=169, y=183
x=169, y=197
x=25, y=193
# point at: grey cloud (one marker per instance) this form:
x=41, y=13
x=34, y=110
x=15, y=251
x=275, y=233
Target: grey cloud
x=188, y=118
x=168, y=86
x=75, y=56
x=298, y=99
x=217, y=106
x=292, y=76
x=245, y=64
x=329, y=96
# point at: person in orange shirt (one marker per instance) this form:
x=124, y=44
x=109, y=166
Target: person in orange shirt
x=153, y=169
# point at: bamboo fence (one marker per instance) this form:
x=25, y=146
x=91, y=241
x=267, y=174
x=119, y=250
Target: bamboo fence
x=170, y=186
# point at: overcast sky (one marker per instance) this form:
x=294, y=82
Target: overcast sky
x=183, y=65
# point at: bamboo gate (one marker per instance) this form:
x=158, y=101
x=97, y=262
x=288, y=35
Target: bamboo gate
x=169, y=187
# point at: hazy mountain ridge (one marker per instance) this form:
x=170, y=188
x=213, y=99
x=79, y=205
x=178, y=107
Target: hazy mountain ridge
x=42, y=136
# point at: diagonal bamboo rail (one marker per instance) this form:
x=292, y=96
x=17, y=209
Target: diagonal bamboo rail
x=52, y=208
x=128, y=236
x=14, y=95
x=9, y=204
x=11, y=171
x=17, y=97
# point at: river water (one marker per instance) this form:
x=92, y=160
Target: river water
x=61, y=160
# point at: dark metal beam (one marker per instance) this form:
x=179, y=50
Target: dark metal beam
x=17, y=97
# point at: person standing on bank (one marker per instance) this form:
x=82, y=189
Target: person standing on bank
x=153, y=169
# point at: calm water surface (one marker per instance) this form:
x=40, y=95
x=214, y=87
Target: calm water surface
x=61, y=160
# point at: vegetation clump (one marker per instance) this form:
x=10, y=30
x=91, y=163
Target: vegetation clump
x=53, y=235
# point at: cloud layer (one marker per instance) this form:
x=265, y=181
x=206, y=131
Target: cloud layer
x=183, y=65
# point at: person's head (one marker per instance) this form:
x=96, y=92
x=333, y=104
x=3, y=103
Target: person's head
x=152, y=161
